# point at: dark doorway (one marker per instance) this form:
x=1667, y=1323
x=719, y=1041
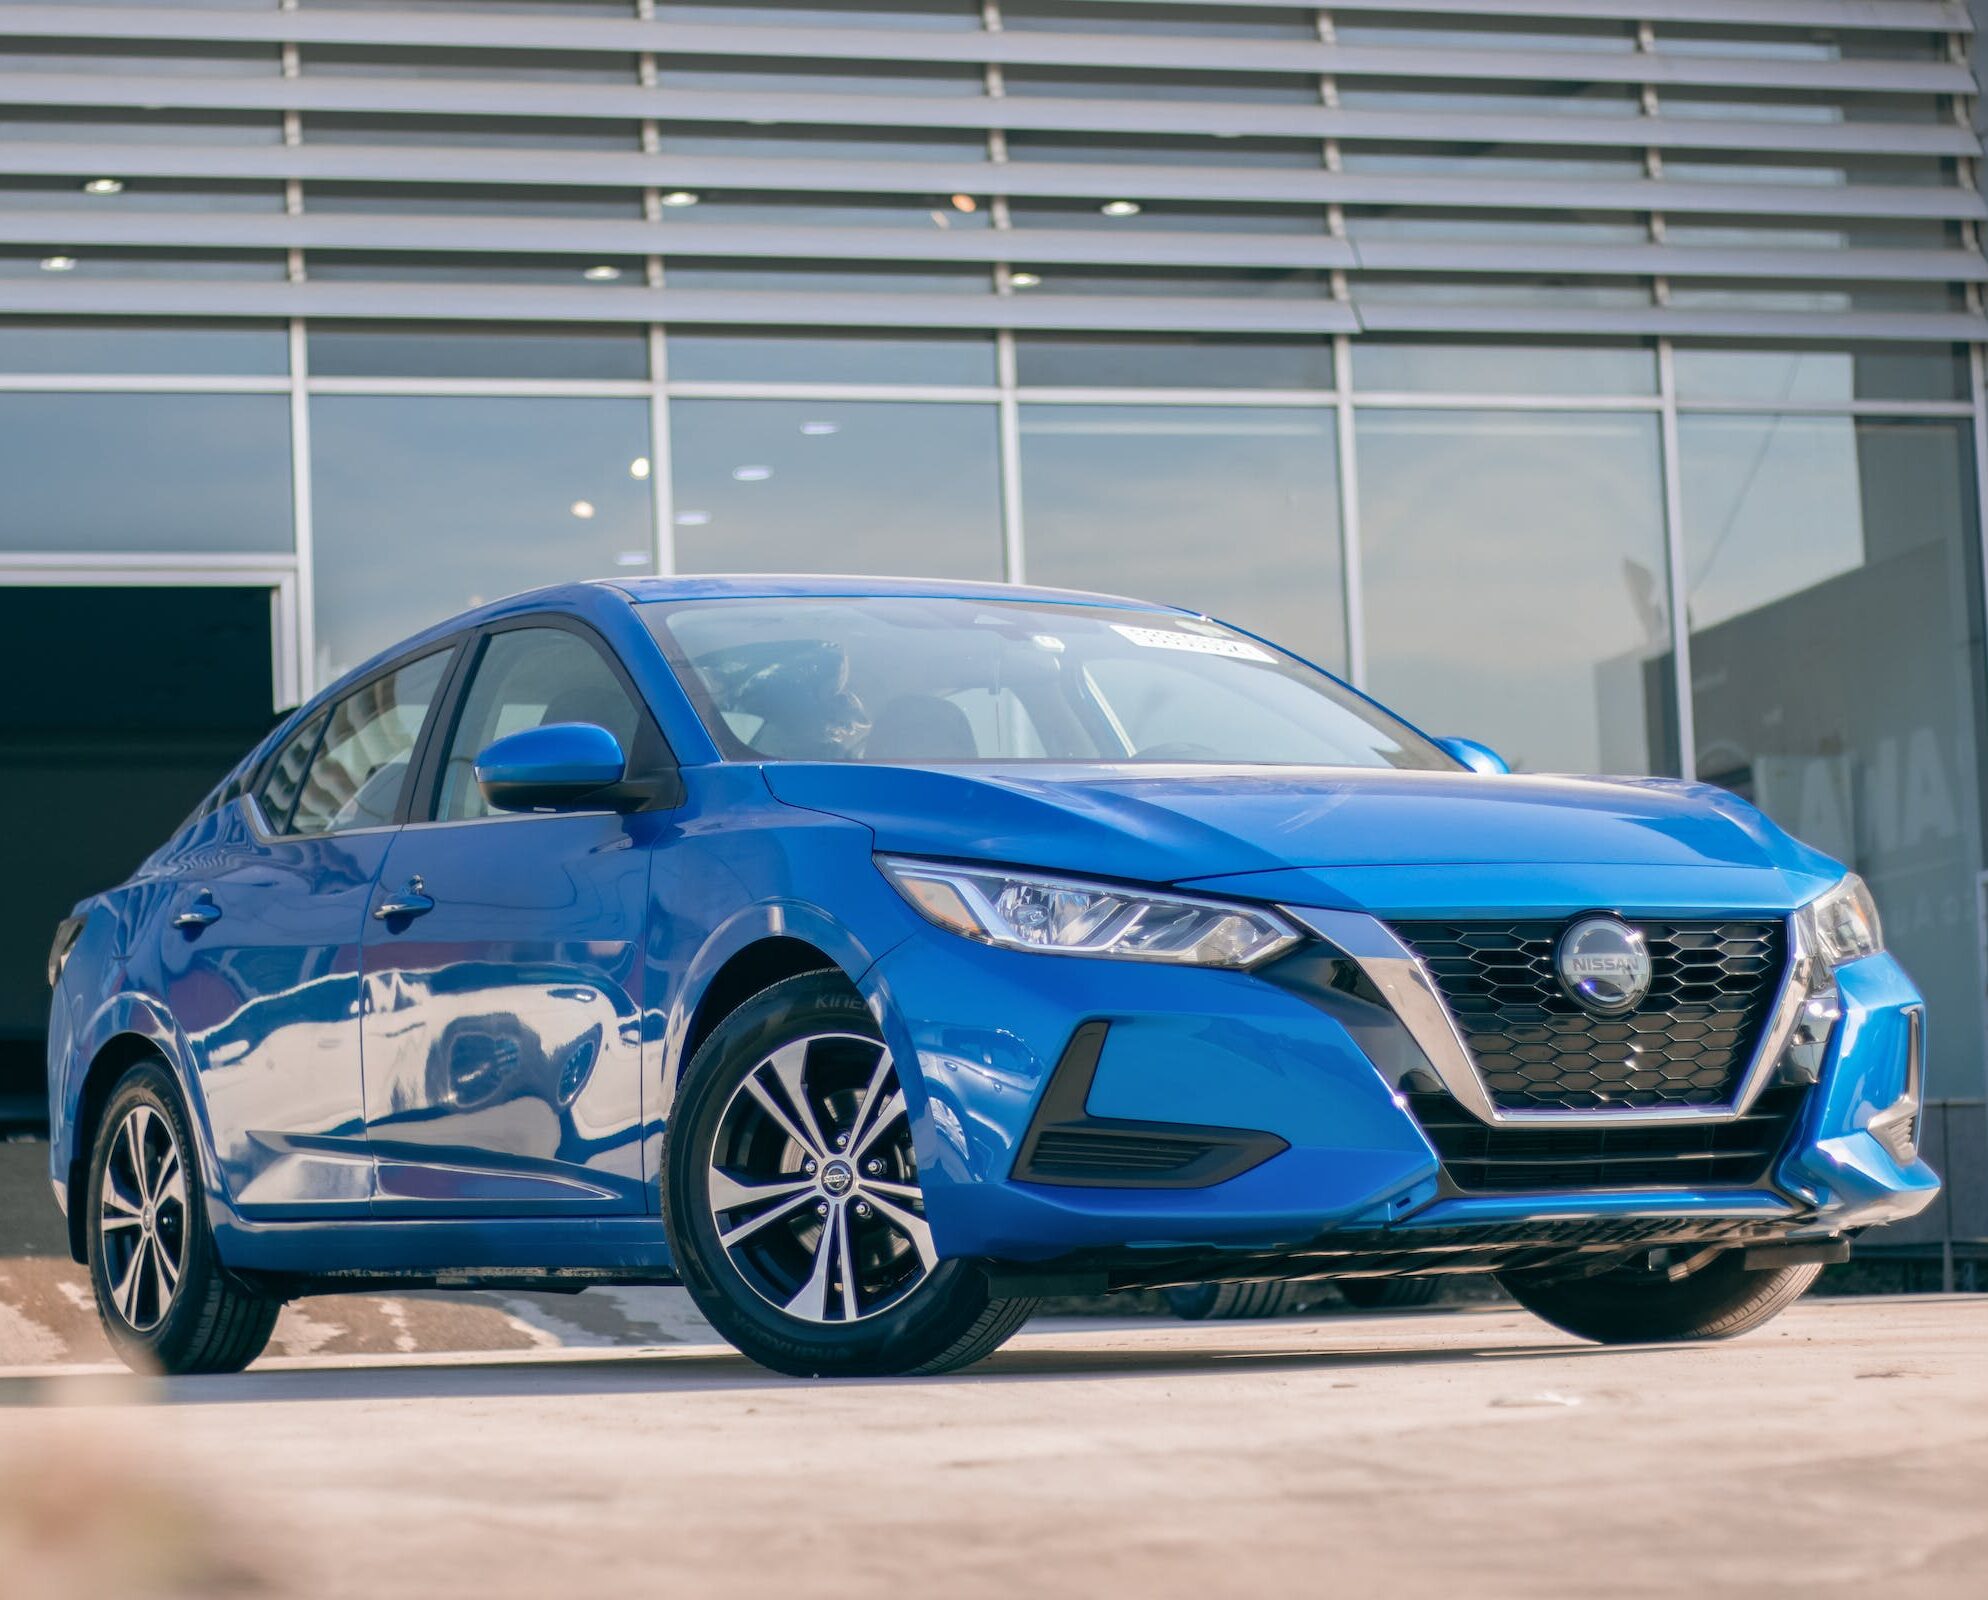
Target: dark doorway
x=120, y=708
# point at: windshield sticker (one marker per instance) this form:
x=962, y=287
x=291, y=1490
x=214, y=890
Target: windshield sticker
x=1169, y=639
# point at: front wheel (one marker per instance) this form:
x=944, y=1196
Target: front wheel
x=1637, y=1305
x=793, y=1203
x=165, y=1301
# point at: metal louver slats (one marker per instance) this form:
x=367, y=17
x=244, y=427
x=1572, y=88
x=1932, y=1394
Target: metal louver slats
x=1430, y=180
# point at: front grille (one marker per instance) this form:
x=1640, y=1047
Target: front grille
x=1712, y=987
x=1483, y=1159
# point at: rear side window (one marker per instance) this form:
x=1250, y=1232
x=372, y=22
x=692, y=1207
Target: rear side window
x=277, y=793
x=355, y=779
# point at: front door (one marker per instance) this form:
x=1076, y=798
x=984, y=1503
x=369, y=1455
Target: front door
x=262, y=959
x=502, y=1017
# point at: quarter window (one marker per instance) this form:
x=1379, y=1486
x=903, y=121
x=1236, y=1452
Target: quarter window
x=356, y=777
x=277, y=793
x=527, y=678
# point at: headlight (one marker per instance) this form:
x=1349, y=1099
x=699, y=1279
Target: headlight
x=1065, y=916
x=1842, y=924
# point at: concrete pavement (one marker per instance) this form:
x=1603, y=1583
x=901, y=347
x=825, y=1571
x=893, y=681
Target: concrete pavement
x=1841, y=1451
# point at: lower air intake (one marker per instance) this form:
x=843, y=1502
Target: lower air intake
x=1096, y=1155
x=1481, y=1159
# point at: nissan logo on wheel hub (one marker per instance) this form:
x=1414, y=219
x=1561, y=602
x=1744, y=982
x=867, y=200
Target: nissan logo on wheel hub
x=1603, y=966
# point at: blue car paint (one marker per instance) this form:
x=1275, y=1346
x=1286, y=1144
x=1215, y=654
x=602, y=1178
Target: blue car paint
x=530, y=1136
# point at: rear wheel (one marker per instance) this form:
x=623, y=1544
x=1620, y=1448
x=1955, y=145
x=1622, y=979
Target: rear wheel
x=1225, y=1302
x=1638, y=1305
x=1387, y=1294
x=165, y=1301
x=793, y=1203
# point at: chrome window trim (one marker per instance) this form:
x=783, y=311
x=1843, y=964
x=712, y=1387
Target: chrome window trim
x=1403, y=979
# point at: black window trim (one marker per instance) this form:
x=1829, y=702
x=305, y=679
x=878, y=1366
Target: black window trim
x=270, y=831
x=420, y=798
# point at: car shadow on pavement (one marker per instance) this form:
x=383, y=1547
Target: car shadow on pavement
x=654, y=1371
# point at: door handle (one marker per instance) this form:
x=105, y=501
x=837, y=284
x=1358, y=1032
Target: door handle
x=410, y=902
x=200, y=914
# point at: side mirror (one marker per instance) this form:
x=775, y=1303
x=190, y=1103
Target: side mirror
x=559, y=767
x=1477, y=757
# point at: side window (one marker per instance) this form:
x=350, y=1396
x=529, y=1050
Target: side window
x=355, y=779
x=277, y=794
x=529, y=677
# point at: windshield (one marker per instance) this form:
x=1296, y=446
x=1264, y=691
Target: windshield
x=923, y=682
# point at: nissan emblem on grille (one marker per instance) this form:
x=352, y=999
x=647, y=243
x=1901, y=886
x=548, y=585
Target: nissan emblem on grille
x=1604, y=966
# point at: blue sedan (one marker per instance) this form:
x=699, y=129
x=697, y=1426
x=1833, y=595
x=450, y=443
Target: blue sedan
x=874, y=958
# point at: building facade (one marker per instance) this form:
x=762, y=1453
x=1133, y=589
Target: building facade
x=1600, y=378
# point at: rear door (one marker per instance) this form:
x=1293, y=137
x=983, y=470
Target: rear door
x=262, y=947
x=503, y=961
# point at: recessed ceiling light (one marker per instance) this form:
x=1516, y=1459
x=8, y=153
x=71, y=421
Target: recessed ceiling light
x=601, y=274
x=692, y=519
x=966, y=203
x=681, y=197
x=639, y=467
x=1121, y=208
x=583, y=509
x=1024, y=280
x=752, y=474
x=104, y=186
x=817, y=430
x=632, y=558
x=58, y=263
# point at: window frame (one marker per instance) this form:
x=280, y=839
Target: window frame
x=651, y=761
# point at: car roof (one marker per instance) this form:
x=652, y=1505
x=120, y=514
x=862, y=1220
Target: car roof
x=740, y=586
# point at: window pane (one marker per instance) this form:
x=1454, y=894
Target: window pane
x=836, y=486
x=527, y=678
x=426, y=505
x=1232, y=510
x=1833, y=570
x=220, y=349
x=1172, y=361
x=357, y=775
x=516, y=350
x=101, y=262
x=97, y=472
x=1515, y=583
x=722, y=355
x=1462, y=367
x=1864, y=372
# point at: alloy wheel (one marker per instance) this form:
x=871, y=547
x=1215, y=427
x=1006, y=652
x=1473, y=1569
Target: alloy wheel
x=813, y=1185
x=142, y=1219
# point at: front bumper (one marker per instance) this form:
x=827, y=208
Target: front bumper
x=1340, y=1168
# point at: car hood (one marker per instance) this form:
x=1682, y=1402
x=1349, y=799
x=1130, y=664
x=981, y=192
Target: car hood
x=1170, y=824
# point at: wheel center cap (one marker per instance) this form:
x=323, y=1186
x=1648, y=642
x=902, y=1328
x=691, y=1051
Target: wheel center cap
x=145, y=1219
x=837, y=1178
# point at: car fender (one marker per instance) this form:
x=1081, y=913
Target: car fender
x=135, y=1013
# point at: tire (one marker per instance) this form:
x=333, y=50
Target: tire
x=1631, y=1305
x=146, y=1206
x=812, y=1256
x=1388, y=1294
x=1230, y=1302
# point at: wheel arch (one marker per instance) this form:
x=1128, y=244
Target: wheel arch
x=753, y=967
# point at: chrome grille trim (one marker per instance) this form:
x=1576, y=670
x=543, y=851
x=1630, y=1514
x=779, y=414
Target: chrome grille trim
x=1404, y=981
